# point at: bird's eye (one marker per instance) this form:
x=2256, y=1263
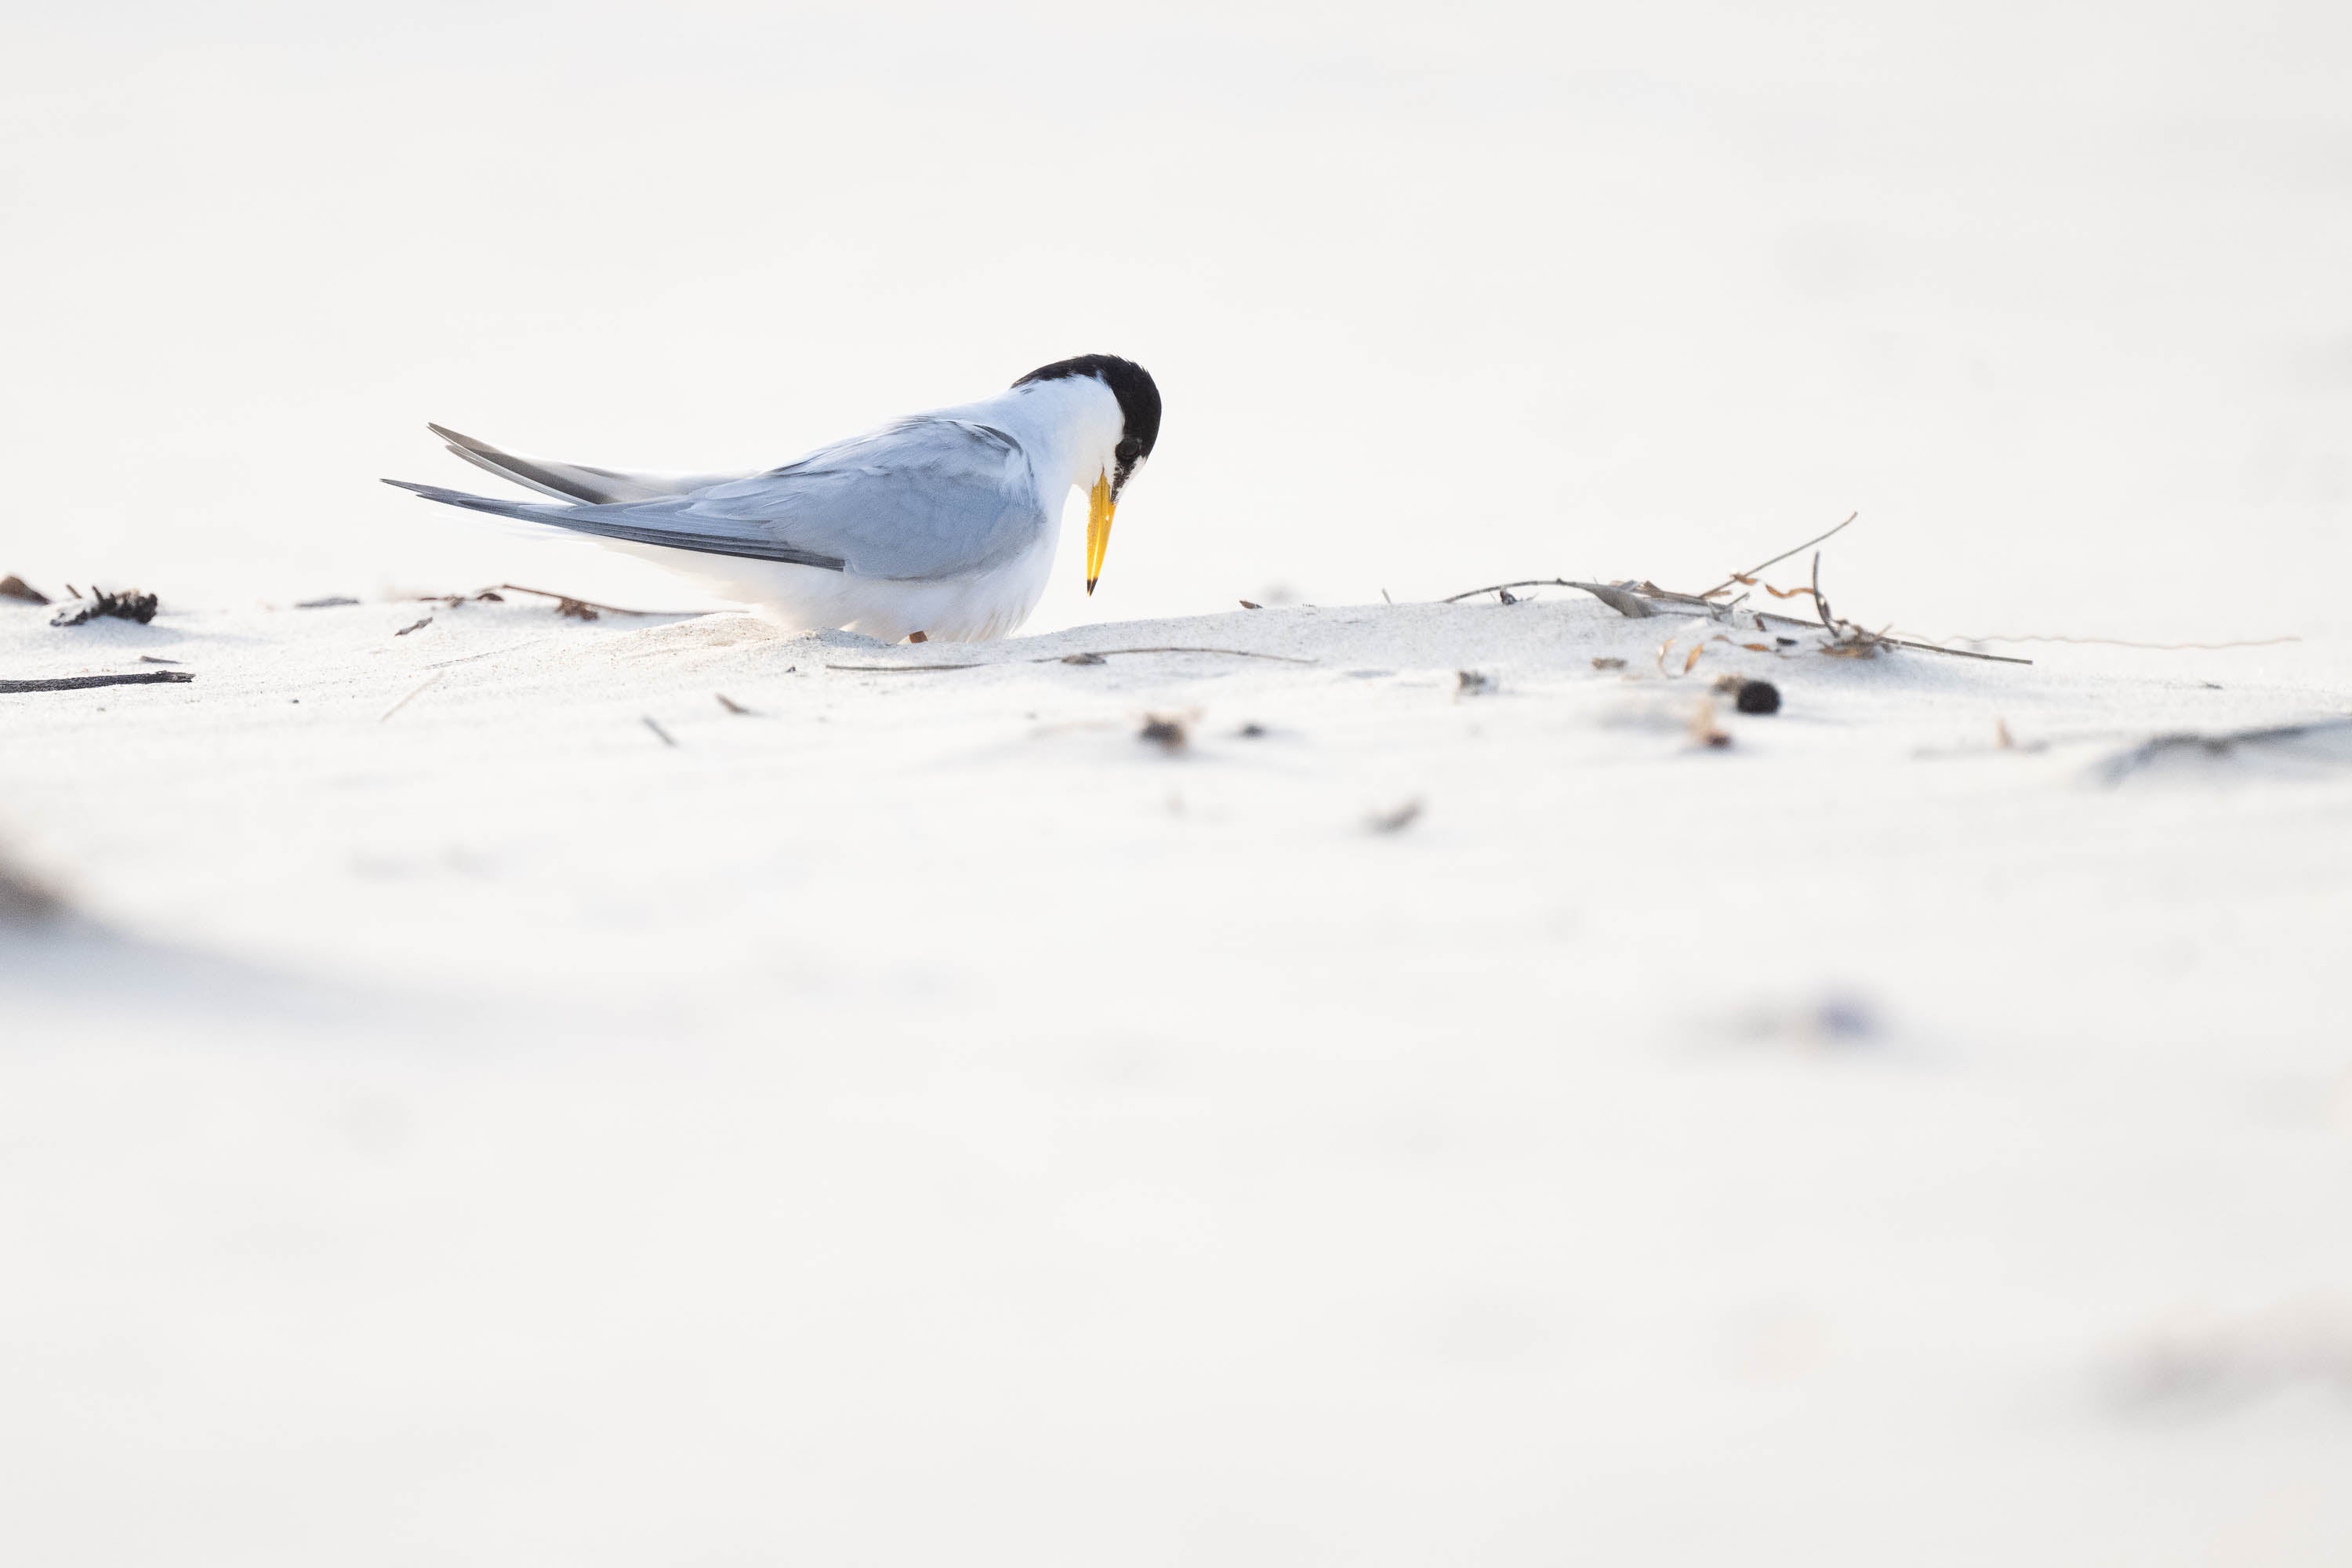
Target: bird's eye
x=1128, y=450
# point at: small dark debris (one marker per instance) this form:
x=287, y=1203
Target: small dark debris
x=133, y=606
x=1607, y=663
x=155, y=658
x=490, y=596
x=1083, y=658
x=1719, y=739
x=16, y=587
x=579, y=610
x=1472, y=683
x=1247, y=606
x=918, y=637
x=1786, y=642
x=26, y=902
x=1758, y=697
x=1252, y=732
x=1396, y=820
x=658, y=731
x=332, y=602
x=1507, y=596
x=2325, y=741
x=731, y=705
x=1843, y=1020
x=414, y=626
x=1167, y=733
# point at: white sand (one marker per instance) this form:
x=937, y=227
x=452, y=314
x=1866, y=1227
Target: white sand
x=921, y=1122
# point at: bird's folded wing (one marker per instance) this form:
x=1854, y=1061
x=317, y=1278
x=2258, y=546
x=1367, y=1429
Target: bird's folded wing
x=926, y=497
x=931, y=497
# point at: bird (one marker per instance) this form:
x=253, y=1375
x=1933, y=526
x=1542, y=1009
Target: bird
x=942, y=523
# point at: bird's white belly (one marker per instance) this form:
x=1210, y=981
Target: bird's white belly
x=969, y=608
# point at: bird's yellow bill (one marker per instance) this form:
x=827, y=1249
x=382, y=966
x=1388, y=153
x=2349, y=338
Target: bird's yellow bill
x=1099, y=507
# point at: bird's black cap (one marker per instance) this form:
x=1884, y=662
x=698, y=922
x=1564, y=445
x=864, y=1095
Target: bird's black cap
x=1137, y=395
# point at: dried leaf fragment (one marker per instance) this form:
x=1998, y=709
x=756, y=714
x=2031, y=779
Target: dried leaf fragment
x=15, y=587
x=1623, y=600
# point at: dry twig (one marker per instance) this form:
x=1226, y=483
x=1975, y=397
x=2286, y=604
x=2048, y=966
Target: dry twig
x=84, y=682
x=1748, y=576
x=413, y=693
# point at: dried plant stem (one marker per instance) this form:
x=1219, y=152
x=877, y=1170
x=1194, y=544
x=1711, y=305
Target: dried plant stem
x=1738, y=577
x=84, y=682
x=1498, y=587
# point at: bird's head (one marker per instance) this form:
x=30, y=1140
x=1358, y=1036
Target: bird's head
x=1125, y=446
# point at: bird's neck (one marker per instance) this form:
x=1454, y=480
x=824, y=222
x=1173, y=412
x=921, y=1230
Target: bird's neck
x=1070, y=428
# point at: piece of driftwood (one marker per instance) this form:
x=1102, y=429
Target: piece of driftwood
x=15, y=587
x=84, y=682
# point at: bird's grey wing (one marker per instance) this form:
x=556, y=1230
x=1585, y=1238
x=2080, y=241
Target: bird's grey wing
x=929, y=497
x=574, y=481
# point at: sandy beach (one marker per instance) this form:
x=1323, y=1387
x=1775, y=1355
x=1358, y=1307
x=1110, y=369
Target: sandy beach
x=493, y=1098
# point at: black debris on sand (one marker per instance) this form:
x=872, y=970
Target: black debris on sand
x=133, y=606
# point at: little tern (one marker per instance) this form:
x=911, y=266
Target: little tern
x=943, y=524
